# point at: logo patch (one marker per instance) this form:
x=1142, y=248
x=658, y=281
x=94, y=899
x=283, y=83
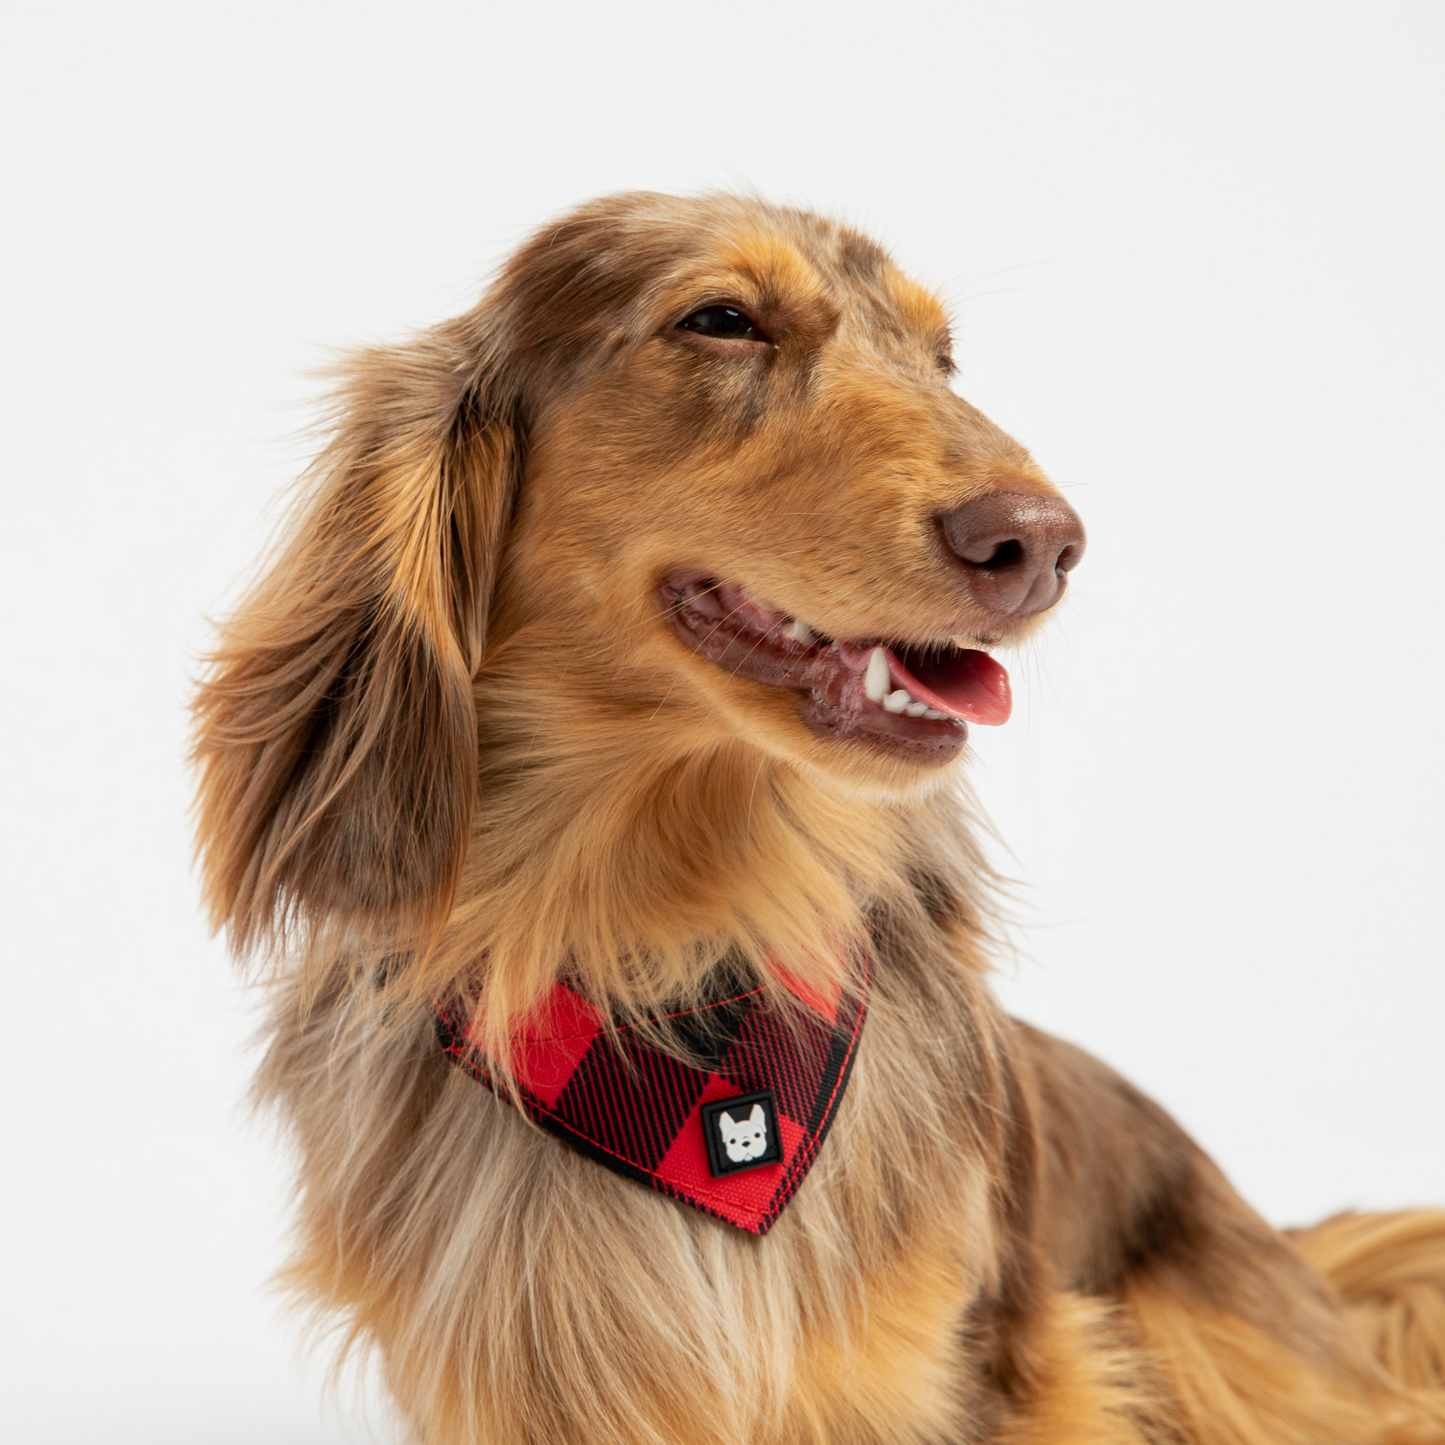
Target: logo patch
x=741, y=1133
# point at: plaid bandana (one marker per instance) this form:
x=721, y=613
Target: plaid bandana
x=733, y=1132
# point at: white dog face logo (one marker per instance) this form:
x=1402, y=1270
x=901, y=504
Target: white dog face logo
x=745, y=1138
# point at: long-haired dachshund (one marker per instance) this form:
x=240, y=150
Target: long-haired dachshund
x=584, y=769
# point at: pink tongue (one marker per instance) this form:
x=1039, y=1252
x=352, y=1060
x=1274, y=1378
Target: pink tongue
x=968, y=684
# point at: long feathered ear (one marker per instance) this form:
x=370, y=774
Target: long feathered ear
x=335, y=731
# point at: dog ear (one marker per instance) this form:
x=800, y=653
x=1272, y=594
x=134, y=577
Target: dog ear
x=335, y=730
x=757, y=1117
x=726, y=1122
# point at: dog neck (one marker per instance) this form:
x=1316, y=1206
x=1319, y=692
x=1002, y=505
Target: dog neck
x=640, y=864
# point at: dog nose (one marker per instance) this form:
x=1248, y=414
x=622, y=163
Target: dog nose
x=1017, y=548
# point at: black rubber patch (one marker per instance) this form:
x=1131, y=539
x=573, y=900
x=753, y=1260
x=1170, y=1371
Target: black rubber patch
x=742, y=1133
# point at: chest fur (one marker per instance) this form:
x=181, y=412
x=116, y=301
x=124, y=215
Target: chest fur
x=518, y=1291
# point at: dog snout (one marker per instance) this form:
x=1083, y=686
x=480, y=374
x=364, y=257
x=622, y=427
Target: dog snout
x=1017, y=549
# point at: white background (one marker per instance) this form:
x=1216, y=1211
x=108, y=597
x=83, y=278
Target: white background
x=1196, y=257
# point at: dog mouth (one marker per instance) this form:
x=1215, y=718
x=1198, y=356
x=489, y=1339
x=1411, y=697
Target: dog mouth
x=913, y=698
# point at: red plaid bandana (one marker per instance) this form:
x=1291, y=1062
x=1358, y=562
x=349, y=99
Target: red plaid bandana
x=734, y=1137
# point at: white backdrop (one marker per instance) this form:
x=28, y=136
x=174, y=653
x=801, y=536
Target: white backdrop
x=1196, y=258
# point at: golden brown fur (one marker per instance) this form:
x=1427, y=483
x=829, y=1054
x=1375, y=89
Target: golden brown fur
x=447, y=738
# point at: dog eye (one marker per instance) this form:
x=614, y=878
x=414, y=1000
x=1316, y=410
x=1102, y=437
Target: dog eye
x=724, y=321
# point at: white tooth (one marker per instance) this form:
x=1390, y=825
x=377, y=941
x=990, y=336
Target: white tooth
x=935, y=714
x=799, y=632
x=896, y=701
x=916, y=709
x=876, y=682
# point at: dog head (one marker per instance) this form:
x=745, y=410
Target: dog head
x=689, y=483
x=744, y=1138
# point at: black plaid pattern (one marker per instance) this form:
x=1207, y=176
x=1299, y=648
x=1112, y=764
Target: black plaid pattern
x=630, y=1098
x=788, y=1056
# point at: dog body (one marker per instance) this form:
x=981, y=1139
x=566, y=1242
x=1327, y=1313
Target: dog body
x=630, y=632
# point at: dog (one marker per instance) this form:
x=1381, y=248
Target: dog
x=583, y=766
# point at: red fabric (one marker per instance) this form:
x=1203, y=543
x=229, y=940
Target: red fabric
x=639, y=1110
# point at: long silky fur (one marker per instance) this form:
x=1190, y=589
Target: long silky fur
x=494, y=1258
x=447, y=744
